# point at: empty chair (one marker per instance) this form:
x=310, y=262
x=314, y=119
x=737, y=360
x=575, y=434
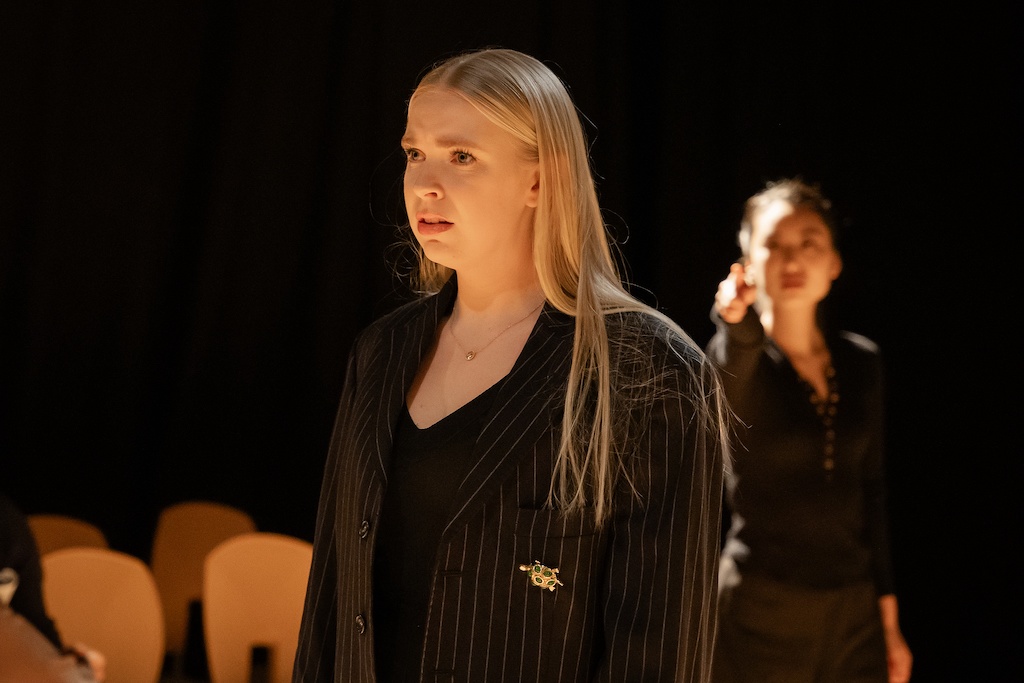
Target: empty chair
x=185, y=533
x=108, y=600
x=53, y=532
x=253, y=592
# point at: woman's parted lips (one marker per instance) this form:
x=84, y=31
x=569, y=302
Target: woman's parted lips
x=431, y=223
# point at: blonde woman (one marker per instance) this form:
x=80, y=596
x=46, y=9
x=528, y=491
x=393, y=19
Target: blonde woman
x=524, y=481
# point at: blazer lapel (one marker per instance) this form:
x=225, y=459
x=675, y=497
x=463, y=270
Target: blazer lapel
x=521, y=411
x=418, y=333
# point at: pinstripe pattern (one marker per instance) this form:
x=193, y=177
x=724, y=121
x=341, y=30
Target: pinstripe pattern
x=638, y=597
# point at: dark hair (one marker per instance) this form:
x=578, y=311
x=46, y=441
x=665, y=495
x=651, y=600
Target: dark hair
x=796, y=193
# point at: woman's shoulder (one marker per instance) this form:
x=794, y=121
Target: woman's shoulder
x=404, y=312
x=652, y=335
x=858, y=343
x=424, y=308
x=856, y=355
x=400, y=318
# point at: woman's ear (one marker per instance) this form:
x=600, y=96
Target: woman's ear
x=533, y=195
x=837, y=266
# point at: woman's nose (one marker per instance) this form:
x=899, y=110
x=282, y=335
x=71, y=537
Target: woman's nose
x=788, y=258
x=424, y=182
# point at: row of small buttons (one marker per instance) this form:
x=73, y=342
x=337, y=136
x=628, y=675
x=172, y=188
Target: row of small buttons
x=826, y=409
x=364, y=532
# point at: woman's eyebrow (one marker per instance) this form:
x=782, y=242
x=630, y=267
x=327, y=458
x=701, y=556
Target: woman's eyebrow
x=442, y=142
x=455, y=142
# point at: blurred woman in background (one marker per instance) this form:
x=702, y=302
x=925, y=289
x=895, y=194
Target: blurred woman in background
x=806, y=580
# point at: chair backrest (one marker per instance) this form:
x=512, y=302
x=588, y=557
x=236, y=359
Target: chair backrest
x=253, y=592
x=185, y=533
x=108, y=600
x=53, y=532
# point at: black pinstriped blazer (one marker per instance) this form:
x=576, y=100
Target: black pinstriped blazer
x=638, y=597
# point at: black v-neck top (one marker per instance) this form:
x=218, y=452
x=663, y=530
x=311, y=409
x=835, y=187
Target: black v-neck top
x=427, y=466
x=806, y=500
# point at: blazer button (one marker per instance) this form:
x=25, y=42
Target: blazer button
x=360, y=624
x=364, y=529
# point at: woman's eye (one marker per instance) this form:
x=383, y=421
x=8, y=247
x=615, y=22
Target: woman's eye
x=462, y=156
x=412, y=154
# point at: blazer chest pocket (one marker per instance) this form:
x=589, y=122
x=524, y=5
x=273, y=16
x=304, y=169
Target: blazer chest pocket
x=569, y=543
x=554, y=524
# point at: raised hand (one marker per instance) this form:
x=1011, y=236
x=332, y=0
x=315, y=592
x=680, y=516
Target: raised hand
x=735, y=294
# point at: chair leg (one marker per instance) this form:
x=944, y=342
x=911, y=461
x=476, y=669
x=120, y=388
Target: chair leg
x=260, y=665
x=193, y=657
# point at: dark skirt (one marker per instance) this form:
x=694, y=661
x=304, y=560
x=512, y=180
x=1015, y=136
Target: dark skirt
x=769, y=632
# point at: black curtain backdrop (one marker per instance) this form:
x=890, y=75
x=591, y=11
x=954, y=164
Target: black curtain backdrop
x=199, y=204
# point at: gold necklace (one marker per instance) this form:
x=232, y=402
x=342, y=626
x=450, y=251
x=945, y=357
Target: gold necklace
x=470, y=355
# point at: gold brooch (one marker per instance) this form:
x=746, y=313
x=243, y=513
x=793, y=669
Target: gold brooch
x=541, y=576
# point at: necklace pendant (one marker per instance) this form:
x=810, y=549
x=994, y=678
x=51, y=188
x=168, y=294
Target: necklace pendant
x=470, y=355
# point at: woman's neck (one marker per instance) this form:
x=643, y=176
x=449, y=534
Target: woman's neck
x=796, y=332
x=482, y=297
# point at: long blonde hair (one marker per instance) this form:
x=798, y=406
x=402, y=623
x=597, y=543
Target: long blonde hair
x=573, y=258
